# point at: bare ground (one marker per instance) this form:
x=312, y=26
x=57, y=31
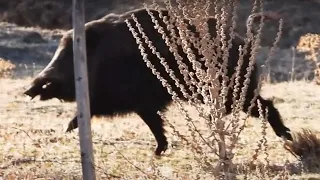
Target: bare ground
x=33, y=144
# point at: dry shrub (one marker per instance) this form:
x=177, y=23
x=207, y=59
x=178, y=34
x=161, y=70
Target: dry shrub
x=223, y=131
x=306, y=147
x=310, y=44
x=6, y=68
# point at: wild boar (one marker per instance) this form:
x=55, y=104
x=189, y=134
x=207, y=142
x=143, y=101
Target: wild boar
x=120, y=81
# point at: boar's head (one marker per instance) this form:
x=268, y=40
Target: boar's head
x=56, y=80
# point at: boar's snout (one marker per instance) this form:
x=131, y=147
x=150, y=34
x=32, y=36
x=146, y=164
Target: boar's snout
x=32, y=91
x=50, y=88
x=38, y=87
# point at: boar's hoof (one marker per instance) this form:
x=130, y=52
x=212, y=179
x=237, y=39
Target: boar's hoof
x=286, y=135
x=162, y=147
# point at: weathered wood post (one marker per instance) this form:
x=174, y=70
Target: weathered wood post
x=81, y=88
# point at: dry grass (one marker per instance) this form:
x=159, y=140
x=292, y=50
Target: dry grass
x=33, y=143
x=306, y=147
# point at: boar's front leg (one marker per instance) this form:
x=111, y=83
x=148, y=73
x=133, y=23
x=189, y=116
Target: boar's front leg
x=73, y=124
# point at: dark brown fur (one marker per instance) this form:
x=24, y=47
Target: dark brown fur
x=119, y=80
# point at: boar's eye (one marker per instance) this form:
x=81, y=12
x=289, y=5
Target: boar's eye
x=46, y=85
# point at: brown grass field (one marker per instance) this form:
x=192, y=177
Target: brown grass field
x=33, y=144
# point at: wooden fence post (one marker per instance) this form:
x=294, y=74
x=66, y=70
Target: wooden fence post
x=81, y=88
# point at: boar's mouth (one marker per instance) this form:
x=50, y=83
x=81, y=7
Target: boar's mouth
x=49, y=88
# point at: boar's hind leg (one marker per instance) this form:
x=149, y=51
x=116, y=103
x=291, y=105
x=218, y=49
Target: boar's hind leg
x=155, y=123
x=274, y=117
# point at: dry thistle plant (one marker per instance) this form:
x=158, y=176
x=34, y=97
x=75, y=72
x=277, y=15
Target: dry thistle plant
x=6, y=68
x=261, y=172
x=306, y=147
x=202, y=60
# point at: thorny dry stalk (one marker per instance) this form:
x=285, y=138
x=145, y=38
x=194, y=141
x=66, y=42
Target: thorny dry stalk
x=262, y=146
x=204, y=83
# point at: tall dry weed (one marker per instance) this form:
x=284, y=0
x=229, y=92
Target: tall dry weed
x=224, y=131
